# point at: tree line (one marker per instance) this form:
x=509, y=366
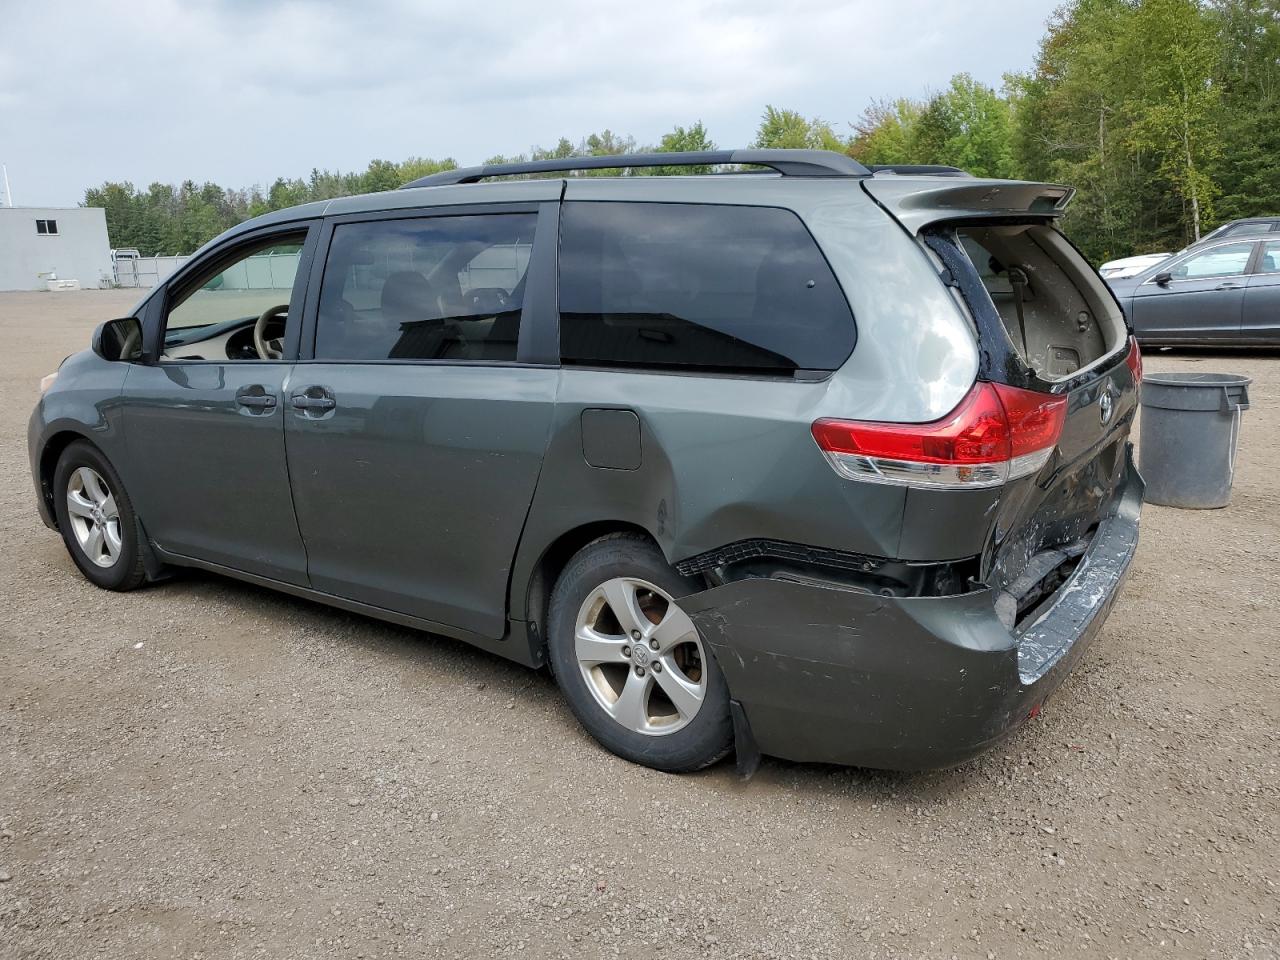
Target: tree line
x=1164, y=114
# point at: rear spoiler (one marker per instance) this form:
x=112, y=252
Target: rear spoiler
x=918, y=202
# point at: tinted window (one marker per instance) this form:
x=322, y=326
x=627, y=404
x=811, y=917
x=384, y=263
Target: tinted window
x=706, y=286
x=438, y=288
x=1228, y=260
x=1249, y=226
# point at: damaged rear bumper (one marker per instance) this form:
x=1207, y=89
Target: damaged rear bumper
x=826, y=673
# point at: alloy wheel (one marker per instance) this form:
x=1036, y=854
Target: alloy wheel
x=641, y=656
x=94, y=516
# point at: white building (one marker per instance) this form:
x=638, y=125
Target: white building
x=42, y=247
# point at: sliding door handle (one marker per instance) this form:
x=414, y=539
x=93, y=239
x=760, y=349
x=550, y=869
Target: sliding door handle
x=312, y=403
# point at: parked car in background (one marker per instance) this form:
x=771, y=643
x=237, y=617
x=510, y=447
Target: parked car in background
x=822, y=463
x=1130, y=266
x=1127, y=267
x=1218, y=292
x=1251, y=226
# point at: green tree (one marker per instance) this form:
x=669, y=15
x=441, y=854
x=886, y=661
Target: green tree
x=969, y=126
x=1175, y=116
x=886, y=133
x=416, y=167
x=789, y=129
x=1248, y=74
x=287, y=193
x=1074, y=113
x=560, y=151
x=681, y=140
x=380, y=175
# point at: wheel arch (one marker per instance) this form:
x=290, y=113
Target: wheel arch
x=534, y=601
x=50, y=453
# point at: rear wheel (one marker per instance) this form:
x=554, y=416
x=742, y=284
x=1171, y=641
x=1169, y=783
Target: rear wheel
x=96, y=519
x=630, y=661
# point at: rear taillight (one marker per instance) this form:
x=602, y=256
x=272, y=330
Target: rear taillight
x=997, y=433
x=1134, y=361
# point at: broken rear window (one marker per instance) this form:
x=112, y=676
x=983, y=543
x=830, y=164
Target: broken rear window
x=1056, y=310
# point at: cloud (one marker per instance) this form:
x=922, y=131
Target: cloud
x=240, y=92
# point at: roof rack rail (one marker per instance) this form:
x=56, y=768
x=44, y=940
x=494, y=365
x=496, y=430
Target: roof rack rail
x=919, y=170
x=789, y=163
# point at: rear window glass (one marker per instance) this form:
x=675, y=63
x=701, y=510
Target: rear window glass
x=1250, y=226
x=697, y=286
x=1057, y=313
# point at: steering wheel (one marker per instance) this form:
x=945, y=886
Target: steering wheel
x=269, y=349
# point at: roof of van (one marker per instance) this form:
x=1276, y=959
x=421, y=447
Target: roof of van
x=915, y=194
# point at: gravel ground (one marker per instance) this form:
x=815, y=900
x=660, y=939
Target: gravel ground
x=204, y=768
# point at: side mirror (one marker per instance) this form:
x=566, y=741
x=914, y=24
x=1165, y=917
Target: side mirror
x=1162, y=279
x=118, y=339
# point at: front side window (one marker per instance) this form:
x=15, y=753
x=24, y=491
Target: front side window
x=1229, y=260
x=701, y=286
x=238, y=307
x=430, y=288
x=259, y=278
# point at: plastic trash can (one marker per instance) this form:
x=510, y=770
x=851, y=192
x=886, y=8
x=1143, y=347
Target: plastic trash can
x=1190, y=429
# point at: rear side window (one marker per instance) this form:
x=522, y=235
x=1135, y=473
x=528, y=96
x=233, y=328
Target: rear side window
x=1249, y=226
x=432, y=288
x=1270, y=262
x=698, y=286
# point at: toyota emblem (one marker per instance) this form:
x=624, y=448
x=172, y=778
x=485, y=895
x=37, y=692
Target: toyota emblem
x=1106, y=406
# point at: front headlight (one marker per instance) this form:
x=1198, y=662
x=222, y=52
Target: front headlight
x=47, y=381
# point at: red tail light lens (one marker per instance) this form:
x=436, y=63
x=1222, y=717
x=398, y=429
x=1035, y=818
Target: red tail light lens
x=1035, y=423
x=995, y=434
x=1134, y=361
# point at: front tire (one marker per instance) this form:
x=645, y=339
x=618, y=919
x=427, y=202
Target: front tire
x=631, y=663
x=96, y=519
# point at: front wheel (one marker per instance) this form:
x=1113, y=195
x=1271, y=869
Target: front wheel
x=96, y=519
x=631, y=663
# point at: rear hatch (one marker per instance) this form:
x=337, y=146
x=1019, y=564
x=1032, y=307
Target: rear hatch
x=1050, y=331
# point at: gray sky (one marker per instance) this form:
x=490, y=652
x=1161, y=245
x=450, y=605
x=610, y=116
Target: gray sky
x=242, y=91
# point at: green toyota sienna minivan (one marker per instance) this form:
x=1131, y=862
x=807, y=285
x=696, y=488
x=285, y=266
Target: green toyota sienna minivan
x=811, y=460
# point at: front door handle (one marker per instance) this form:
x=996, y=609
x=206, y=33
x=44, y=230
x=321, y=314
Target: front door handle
x=255, y=397
x=1229, y=285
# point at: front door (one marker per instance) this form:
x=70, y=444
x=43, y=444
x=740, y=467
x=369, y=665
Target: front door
x=1261, y=320
x=416, y=432
x=1202, y=299
x=205, y=420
